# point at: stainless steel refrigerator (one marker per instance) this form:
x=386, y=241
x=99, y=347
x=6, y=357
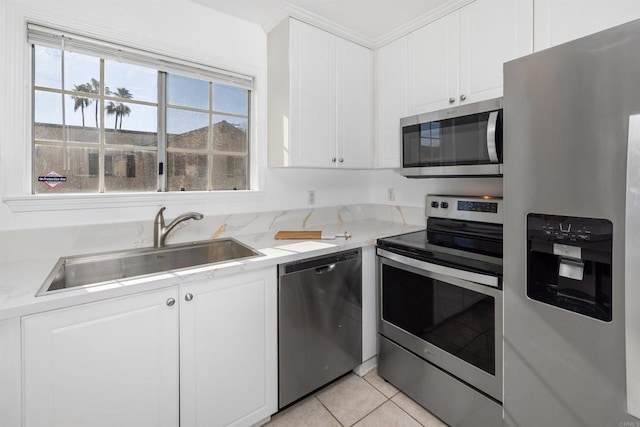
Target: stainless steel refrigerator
x=572, y=233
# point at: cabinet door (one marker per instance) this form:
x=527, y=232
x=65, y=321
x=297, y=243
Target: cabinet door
x=492, y=32
x=312, y=96
x=433, y=69
x=560, y=21
x=391, y=102
x=111, y=363
x=354, y=103
x=228, y=358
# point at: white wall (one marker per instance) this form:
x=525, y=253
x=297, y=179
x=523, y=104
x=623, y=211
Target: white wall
x=178, y=28
x=187, y=30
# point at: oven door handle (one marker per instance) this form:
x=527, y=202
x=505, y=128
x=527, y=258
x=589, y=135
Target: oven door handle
x=470, y=276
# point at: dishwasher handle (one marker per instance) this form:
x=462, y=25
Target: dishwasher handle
x=325, y=269
x=321, y=264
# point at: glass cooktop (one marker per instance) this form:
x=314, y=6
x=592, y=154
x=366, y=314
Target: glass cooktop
x=468, y=245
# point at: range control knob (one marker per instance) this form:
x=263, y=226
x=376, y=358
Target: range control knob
x=444, y=205
x=435, y=204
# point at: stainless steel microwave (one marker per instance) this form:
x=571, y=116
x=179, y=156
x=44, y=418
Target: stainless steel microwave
x=458, y=141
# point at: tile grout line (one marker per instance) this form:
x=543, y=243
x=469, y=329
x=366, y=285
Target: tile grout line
x=412, y=417
x=328, y=410
x=368, y=413
x=389, y=399
x=371, y=411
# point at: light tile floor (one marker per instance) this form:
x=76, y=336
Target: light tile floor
x=355, y=401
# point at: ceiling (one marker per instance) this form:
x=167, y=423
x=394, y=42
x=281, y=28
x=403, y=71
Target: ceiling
x=369, y=22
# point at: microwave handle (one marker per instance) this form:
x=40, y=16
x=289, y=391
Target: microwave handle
x=491, y=136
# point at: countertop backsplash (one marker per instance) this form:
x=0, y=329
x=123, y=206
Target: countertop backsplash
x=21, y=245
x=27, y=256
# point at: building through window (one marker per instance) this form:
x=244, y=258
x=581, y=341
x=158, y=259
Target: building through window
x=112, y=119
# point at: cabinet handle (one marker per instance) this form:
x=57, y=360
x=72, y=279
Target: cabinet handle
x=170, y=302
x=188, y=297
x=463, y=97
x=333, y=160
x=452, y=100
x=341, y=160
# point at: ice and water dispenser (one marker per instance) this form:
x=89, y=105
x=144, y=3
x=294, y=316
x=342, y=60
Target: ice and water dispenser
x=569, y=263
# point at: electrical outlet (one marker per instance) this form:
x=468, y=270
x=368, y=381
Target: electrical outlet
x=391, y=194
x=312, y=197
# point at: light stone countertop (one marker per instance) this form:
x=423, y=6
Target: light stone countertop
x=20, y=280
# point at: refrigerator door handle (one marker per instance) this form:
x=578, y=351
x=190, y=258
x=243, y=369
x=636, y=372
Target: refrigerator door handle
x=491, y=136
x=632, y=270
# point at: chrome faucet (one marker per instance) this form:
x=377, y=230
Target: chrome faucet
x=160, y=231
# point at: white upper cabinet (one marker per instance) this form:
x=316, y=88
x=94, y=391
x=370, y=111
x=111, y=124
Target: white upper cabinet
x=458, y=59
x=433, y=65
x=492, y=32
x=354, y=118
x=391, y=101
x=560, y=21
x=312, y=99
x=320, y=99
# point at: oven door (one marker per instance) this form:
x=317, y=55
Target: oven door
x=445, y=316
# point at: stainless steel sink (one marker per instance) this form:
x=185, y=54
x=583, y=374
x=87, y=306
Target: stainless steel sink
x=90, y=270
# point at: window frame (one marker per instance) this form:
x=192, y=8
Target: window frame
x=209, y=151
x=255, y=175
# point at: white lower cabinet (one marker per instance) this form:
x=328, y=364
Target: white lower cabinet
x=203, y=354
x=228, y=350
x=111, y=363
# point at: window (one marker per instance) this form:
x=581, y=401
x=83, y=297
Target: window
x=111, y=119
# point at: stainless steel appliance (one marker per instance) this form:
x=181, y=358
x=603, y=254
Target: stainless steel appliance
x=319, y=322
x=458, y=141
x=440, y=310
x=571, y=208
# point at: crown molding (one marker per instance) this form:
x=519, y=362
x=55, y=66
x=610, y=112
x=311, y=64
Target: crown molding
x=288, y=10
x=420, y=21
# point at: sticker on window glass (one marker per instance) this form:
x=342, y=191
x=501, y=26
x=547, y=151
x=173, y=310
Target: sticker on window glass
x=52, y=179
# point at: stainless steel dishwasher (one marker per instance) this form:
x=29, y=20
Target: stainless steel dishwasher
x=319, y=322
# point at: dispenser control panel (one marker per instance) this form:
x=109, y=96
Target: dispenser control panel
x=568, y=229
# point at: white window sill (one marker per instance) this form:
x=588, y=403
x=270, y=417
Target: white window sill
x=63, y=202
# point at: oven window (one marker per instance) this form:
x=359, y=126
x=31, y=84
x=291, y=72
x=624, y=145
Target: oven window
x=455, y=319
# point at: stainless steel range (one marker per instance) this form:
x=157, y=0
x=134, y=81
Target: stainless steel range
x=440, y=310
